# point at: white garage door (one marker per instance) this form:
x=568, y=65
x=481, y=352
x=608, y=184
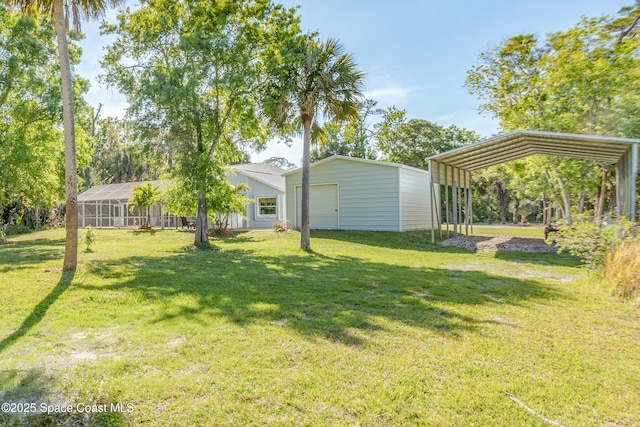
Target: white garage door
x=323, y=206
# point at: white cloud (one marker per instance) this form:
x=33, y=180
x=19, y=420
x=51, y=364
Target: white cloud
x=390, y=94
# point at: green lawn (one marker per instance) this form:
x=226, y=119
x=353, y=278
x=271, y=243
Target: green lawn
x=528, y=230
x=368, y=329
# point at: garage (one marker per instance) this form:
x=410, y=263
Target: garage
x=323, y=206
x=348, y=193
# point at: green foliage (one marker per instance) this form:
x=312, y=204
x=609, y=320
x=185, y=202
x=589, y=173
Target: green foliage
x=30, y=143
x=582, y=80
x=198, y=78
x=144, y=196
x=222, y=198
x=118, y=157
x=89, y=238
x=309, y=81
x=411, y=142
x=491, y=194
x=592, y=242
x=352, y=138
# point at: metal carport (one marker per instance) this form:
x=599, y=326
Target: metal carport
x=453, y=168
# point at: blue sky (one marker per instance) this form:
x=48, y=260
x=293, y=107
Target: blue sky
x=415, y=54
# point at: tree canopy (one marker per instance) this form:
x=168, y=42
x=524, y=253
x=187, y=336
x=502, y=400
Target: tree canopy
x=317, y=80
x=410, y=142
x=196, y=80
x=582, y=80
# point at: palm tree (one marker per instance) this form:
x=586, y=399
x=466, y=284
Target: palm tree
x=58, y=10
x=144, y=196
x=322, y=80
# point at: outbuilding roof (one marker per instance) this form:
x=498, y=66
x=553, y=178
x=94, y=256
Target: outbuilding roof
x=360, y=160
x=515, y=145
x=453, y=168
x=262, y=172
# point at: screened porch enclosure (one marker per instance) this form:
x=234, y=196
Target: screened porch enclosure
x=106, y=206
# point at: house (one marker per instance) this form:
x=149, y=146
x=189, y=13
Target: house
x=266, y=190
x=106, y=205
x=349, y=193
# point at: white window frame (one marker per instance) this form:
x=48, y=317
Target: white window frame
x=266, y=216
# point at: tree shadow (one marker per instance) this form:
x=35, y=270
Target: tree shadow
x=341, y=299
x=383, y=239
x=33, y=392
x=547, y=258
x=18, y=255
x=421, y=240
x=39, y=310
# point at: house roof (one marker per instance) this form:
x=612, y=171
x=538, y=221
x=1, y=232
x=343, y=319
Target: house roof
x=263, y=172
x=122, y=191
x=358, y=160
x=519, y=144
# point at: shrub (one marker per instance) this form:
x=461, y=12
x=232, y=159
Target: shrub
x=16, y=229
x=592, y=242
x=89, y=238
x=621, y=269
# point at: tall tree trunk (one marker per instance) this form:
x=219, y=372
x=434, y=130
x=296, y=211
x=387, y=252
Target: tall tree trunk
x=603, y=196
x=70, y=171
x=566, y=200
x=202, y=236
x=581, y=202
x=305, y=232
x=503, y=199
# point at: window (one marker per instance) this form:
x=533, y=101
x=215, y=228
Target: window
x=267, y=206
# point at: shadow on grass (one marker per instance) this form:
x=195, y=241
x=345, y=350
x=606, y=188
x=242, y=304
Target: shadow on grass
x=39, y=310
x=421, y=240
x=18, y=255
x=33, y=393
x=548, y=258
x=318, y=296
x=383, y=239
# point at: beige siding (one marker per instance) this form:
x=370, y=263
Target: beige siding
x=415, y=194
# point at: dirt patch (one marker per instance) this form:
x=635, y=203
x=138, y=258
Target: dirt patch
x=511, y=271
x=500, y=243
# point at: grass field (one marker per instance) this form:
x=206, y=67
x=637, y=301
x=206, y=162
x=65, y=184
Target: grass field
x=528, y=230
x=367, y=329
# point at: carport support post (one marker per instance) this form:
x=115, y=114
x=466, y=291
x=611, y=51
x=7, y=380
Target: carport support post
x=470, y=206
x=438, y=205
x=454, y=208
x=460, y=201
x=431, y=184
x=446, y=198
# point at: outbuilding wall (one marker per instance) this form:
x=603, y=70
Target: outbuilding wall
x=415, y=199
x=372, y=195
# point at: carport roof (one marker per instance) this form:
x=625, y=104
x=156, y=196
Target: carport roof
x=515, y=145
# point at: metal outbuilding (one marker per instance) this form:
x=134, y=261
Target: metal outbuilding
x=452, y=169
